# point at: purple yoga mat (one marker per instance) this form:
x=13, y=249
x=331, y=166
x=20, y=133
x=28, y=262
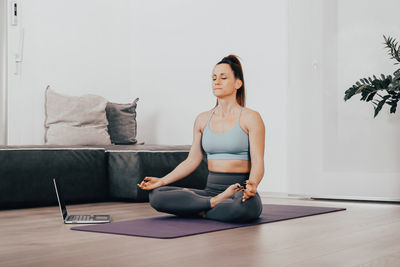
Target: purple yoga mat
x=171, y=226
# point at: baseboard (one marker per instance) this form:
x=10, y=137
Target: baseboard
x=356, y=198
x=281, y=195
x=329, y=197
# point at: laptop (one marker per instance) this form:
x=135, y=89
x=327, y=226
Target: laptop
x=77, y=218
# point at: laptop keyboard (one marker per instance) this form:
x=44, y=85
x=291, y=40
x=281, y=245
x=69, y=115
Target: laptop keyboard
x=80, y=218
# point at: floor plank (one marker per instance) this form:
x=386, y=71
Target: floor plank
x=366, y=234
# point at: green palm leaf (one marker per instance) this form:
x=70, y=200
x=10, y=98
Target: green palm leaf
x=369, y=87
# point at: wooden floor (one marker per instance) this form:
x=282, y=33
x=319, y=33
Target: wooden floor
x=366, y=234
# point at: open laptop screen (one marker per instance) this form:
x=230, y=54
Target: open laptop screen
x=60, y=200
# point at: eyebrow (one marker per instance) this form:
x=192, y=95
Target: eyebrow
x=221, y=73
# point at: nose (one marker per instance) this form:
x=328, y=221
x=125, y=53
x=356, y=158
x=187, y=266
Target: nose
x=217, y=80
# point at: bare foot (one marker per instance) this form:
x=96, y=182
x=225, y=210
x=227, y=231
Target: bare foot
x=230, y=191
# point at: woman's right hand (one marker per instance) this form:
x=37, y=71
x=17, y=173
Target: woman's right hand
x=150, y=183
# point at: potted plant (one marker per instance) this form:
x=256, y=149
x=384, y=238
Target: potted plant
x=381, y=90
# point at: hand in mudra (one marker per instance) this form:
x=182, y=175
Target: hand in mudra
x=251, y=190
x=150, y=183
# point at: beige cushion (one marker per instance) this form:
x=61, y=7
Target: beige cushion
x=75, y=120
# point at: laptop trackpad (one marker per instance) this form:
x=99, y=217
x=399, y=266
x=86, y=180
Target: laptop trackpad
x=101, y=217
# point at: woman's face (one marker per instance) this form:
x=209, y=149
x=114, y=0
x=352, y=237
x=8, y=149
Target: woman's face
x=223, y=81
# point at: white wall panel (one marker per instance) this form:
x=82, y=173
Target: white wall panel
x=337, y=148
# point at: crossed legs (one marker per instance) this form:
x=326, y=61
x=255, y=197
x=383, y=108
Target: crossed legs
x=226, y=206
x=179, y=201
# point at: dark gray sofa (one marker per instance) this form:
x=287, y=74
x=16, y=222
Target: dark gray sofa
x=86, y=173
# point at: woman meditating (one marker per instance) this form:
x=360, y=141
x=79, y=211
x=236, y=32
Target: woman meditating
x=233, y=138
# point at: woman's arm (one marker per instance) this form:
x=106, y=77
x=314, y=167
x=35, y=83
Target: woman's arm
x=257, y=145
x=193, y=160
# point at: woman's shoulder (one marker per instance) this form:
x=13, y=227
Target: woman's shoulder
x=202, y=118
x=248, y=112
x=251, y=116
x=204, y=115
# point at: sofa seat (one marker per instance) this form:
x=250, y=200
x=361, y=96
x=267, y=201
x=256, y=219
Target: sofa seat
x=26, y=175
x=87, y=173
x=129, y=165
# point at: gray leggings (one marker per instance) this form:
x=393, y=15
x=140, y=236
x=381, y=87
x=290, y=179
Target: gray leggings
x=190, y=202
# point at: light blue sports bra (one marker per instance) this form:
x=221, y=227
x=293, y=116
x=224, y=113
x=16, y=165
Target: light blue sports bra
x=233, y=144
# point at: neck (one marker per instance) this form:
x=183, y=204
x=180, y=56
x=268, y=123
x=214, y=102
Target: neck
x=226, y=107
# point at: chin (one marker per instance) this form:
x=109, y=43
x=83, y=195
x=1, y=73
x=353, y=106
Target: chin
x=217, y=95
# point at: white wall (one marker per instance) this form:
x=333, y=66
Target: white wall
x=160, y=51
x=175, y=46
x=337, y=148
x=75, y=48
x=3, y=72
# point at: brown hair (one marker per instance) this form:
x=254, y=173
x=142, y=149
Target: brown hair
x=236, y=67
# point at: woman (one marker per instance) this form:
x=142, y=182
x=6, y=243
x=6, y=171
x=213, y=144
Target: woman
x=233, y=138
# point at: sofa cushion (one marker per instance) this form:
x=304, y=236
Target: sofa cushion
x=122, y=122
x=26, y=175
x=129, y=165
x=75, y=120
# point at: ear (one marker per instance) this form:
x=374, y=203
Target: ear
x=238, y=84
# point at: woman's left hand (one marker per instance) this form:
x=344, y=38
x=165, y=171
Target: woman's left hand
x=251, y=190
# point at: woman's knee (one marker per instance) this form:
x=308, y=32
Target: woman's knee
x=156, y=198
x=254, y=207
x=163, y=197
x=236, y=210
x=257, y=207
x=247, y=211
